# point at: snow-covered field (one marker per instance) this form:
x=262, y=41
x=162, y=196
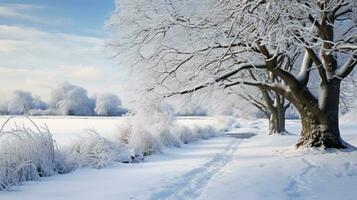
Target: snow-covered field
x=67, y=128
x=262, y=167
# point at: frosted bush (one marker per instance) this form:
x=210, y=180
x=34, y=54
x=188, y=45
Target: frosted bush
x=95, y=151
x=192, y=110
x=22, y=102
x=187, y=134
x=143, y=142
x=154, y=126
x=108, y=105
x=150, y=127
x=205, y=132
x=227, y=122
x=166, y=138
x=162, y=132
x=27, y=154
x=37, y=103
x=69, y=99
x=183, y=133
x=123, y=132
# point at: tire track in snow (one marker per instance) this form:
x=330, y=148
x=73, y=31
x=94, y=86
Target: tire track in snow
x=191, y=184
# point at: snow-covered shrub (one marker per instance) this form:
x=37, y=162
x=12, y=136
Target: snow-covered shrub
x=142, y=142
x=148, y=130
x=123, y=132
x=69, y=99
x=187, y=134
x=37, y=103
x=108, y=105
x=183, y=133
x=22, y=102
x=205, y=132
x=193, y=111
x=27, y=154
x=154, y=126
x=95, y=151
x=227, y=123
x=151, y=127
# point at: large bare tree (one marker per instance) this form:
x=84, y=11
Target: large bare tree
x=188, y=45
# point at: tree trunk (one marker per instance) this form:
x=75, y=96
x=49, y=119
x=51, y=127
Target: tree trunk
x=320, y=133
x=321, y=129
x=277, y=121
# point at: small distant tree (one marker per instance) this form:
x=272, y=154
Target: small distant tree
x=108, y=105
x=69, y=99
x=22, y=102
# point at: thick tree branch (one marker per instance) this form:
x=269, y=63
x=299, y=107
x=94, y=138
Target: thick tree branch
x=220, y=78
x=318, y=64
x=305, y=69
x=347, y=68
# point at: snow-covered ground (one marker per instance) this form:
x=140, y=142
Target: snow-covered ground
x=262, y=167
x=65, y=129
x=269, y=167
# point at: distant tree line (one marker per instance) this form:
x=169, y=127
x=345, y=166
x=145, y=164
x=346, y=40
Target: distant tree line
x=66, y=99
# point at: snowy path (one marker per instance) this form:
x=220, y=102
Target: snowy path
x=191, y=184
x=195, y=163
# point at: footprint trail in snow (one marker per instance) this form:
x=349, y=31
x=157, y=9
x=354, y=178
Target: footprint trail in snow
x=191, y=184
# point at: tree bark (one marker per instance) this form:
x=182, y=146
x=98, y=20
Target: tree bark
x=276, y=107
x=277, y=121
x=321, y=129
x=317, y=133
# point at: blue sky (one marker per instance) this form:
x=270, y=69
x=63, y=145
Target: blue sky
x=71, y=16
x=44, y=43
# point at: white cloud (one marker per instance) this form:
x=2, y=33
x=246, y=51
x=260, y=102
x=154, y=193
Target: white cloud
x=37, y=48
x=30, y=13
x=20, y=11
x=36, y=61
